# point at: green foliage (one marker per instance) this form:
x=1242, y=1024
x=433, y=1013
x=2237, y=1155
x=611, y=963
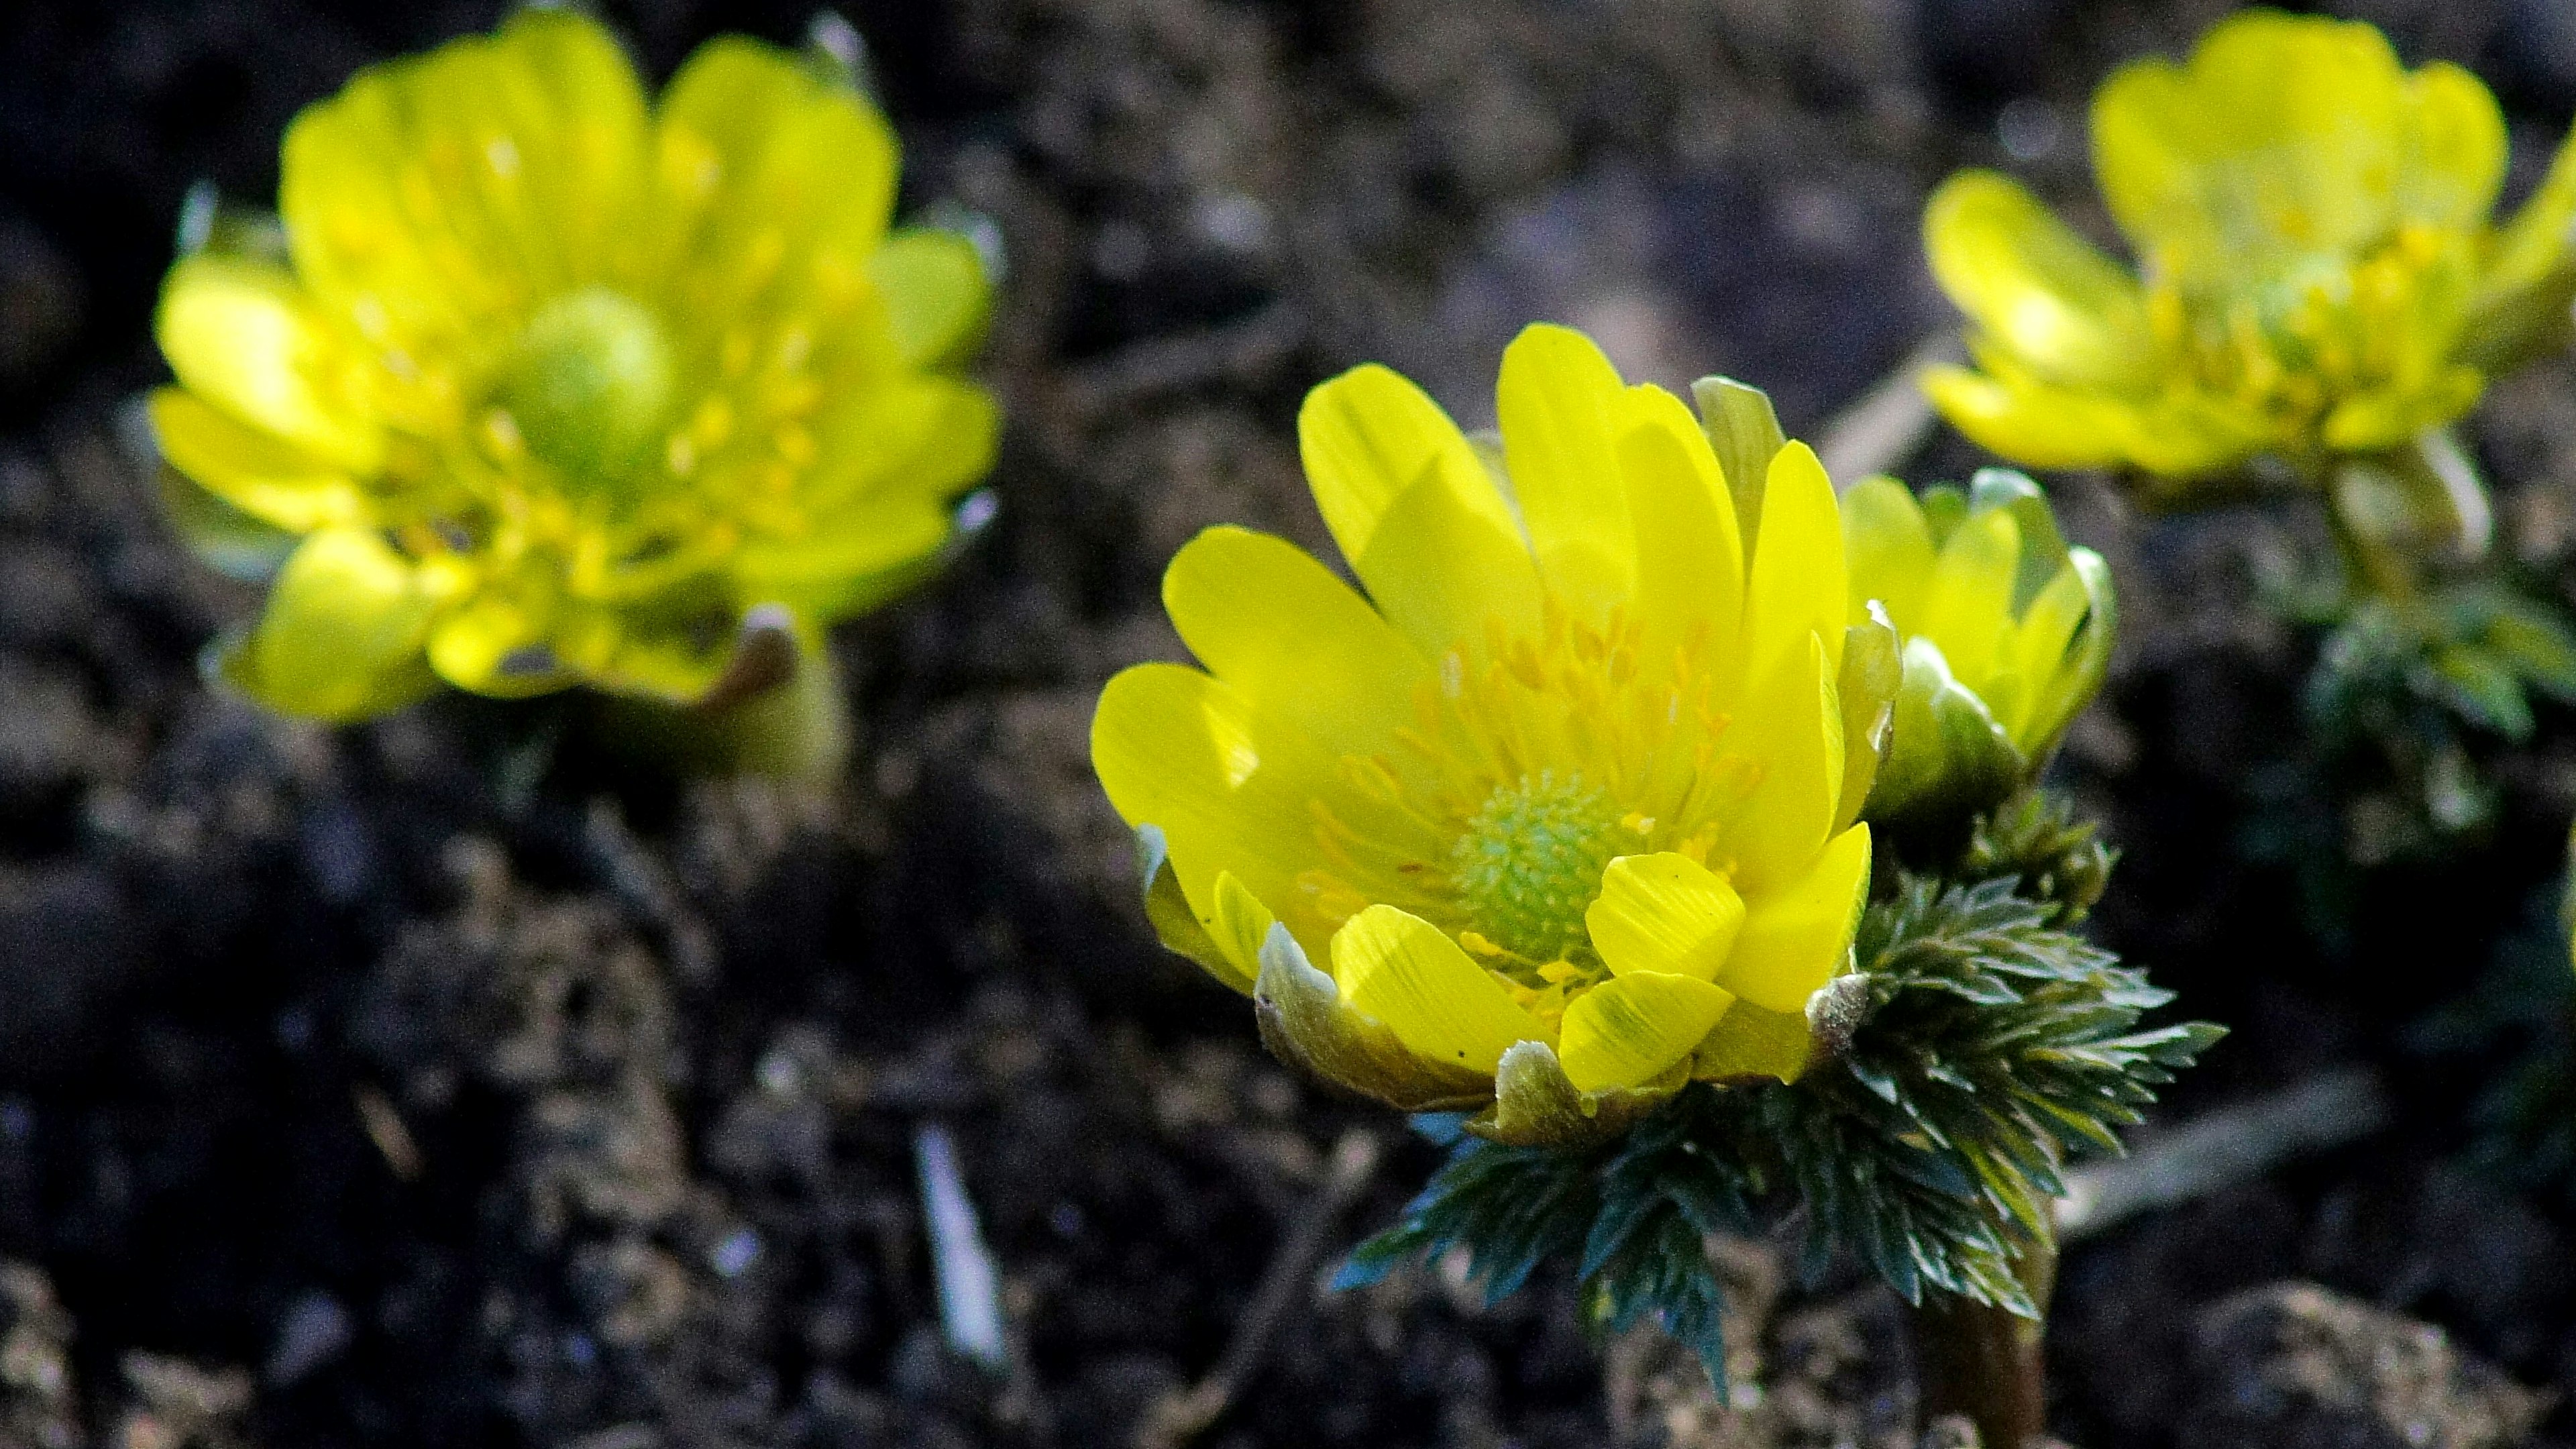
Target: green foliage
x=2404, y=692
x=2519, y=1028
x=1991, y=1045
x=2001, y=1044
x=1631, y=1217
x=2057, y=856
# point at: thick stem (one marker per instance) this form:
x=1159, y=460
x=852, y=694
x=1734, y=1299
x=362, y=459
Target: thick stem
x=2399, y=515
x=1986, y=1363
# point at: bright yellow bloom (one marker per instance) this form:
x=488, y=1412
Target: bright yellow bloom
x=1564, y=808
x=557, y=384
x=2006, y=634
x=2320, y=274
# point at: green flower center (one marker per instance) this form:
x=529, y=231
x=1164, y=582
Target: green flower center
x=590, y=387
x=1531, y=862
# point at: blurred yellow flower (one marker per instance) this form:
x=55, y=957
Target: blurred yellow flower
x=2318, y=271
x=1565, y=806
x=556, y=385
x=2006, y=634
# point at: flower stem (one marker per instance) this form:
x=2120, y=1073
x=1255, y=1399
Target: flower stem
x=2398, y=515
x=1985, y=1362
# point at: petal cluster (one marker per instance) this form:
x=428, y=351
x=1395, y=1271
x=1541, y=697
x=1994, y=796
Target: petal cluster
x=550, y=383
x=2317, y=272
x=2005, y=632
x=1561, y=811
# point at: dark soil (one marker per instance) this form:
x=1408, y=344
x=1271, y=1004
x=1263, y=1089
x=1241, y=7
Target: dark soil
x=434, y=1082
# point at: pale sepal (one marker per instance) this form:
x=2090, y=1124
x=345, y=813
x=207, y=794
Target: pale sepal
x=1744, y=432
x=1537, y=1105
x=1872, y=671
x=1306, y=1023
x=1946, y=752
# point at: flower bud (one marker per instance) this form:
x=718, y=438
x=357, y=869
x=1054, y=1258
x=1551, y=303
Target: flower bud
x=2005, y=635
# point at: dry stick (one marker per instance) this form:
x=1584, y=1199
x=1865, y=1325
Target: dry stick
x=1234, y=352
x=1882, y=427
x=1176, y=1418
x=2222, y=1148
x=646, y=892
x=969, y=1281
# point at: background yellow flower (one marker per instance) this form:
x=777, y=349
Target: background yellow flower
x=556, y=384
x=2317, y=271
x=1566, y=802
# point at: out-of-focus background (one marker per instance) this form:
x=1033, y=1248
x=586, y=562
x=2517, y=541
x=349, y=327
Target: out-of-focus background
x=433, y=1083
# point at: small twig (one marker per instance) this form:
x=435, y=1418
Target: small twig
x=970, y=1284
x=1178, y=1417
x=2223, y=1148
x=1879, y=429
x=644, y=887
x=1236, y=352
x=385, y=1129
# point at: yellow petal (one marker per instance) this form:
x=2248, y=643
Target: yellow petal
x=1306, y=1022
x=1444, y=1007
x=1690, y=561
x=243, y=337
x=2082, y=664
x=1296, y=641
x=936, y=295
x=2529, y=265
x=1664, y=912
x=2282, y=134
x=792, y=175
x=1796, y=589
x=1627, y=1030
x=1888, y=544
x=1560, y=402
x=923, y=436
x=1750, y=1042
x=674, y=657
x=249, y=469
x=1442, y=570
x=1794, y=939
x=1231, y=791
x=2389, y=417
x=460, y=185
x=1967, y=609
x=1368, y=436
x=2458, y=148
x=831, y=574
x=1176, y=923
x=341, y=636
x=2148, y=153
x=1790, y=730
x=2069, y=312
x=1241, y=924
x=500, y=646
x=2039, y=653
x=2044, y=428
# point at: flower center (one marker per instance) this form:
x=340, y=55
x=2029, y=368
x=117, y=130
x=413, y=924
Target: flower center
x=1531, y=860
x=591, y=385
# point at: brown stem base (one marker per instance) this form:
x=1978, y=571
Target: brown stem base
x=1983, y=1363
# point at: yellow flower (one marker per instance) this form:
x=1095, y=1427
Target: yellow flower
x=2320, y=274
x=1564, y=807
x=556, y=385
x=2006, y=634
